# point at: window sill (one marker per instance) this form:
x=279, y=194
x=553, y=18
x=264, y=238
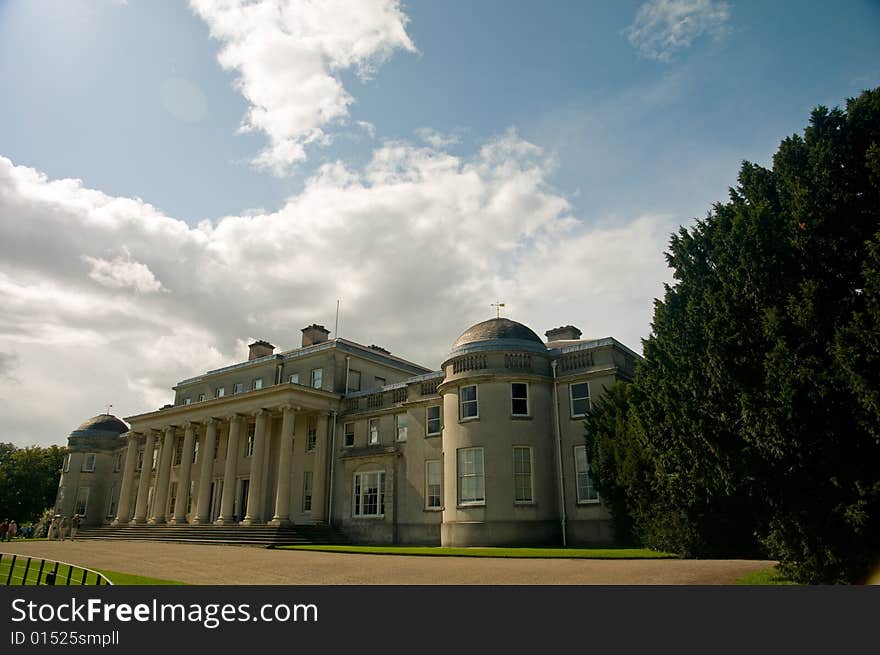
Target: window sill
x=577, y=417
x=371, y=517
x=595, y=501
x=433, y=434
x=524, y=503
x=521, y=417
x=469, y=505
x=433, y=509
x=468, y=419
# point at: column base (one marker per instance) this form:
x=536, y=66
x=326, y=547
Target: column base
x=157, y=520
x=251, y=521
x=280, y=522
x=138, y=521
x=178, y=521
x=201, y=520
x=228, y=520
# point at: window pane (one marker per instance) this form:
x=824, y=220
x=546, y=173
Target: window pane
x=434, y=420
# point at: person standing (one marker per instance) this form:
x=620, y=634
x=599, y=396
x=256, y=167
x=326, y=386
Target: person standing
x=63, y=527
x=74, y=526
x=4, y=527
x=52, y=533
x=12, y=531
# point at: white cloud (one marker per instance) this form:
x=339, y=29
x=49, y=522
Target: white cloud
x=436, y=139
x=662, y=27
x=417, y=244
x=288, y=56
x=122, y=273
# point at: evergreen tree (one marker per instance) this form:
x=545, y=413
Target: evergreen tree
x=756, y=414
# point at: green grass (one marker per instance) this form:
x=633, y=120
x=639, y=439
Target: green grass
x=118, y=578
x=768, y=576
x=437, y=551
x=115, y=577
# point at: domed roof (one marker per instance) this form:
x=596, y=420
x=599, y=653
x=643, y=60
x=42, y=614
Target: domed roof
x=497, y=328
x=103, y=423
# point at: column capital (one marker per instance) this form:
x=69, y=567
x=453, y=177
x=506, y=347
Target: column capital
x=235, y=416
x=261, y=412
x=210, y=421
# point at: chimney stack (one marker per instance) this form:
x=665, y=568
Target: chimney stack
x=260, y=349
x=564, y=333
x=314, y=334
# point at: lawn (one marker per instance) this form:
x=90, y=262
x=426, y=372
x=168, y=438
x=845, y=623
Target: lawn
x=768, y=576
x=544, y=553
x=75, y=573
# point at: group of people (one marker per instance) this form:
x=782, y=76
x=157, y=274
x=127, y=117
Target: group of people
x=61, y=526
x=9, y=529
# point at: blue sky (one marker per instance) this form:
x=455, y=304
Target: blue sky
x=417, y=160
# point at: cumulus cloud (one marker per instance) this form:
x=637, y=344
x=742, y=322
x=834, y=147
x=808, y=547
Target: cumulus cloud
x=122, y=273
x=436, y=139
x=662, y=27
x=288, y=56
x=417, y=243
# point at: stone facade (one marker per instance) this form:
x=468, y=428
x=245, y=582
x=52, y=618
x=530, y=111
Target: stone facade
x=488, y=450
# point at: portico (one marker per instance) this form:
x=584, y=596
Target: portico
x=250, y=447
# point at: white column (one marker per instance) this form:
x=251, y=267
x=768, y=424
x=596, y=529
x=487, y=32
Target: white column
x=227, y=504
x=140, y=510
x=282, y=491
x=164, y=475
x=206, y=471
x=320, y=466
x=183, y=473
x=255, y=496
x=123, y=513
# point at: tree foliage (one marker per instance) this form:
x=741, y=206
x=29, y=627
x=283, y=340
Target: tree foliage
x=28, y=480
x=755, y=419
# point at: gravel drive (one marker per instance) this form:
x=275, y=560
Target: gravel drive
x=239, y=565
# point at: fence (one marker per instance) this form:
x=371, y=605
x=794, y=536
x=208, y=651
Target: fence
x=17, y=570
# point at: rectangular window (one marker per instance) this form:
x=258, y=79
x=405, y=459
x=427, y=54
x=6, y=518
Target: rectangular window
x=114, y=500
x=238, y=387
x=374, y=431
x=139, y=462
x=249, y=445
x=471, y=477
x=433, y=479
x=433, y=420
x=216, y=446
x=349, y=434
x=82, y=500
x=468, y=402
x=354, y=380
x=178, y=451
x=257, y=384
x=312, y=434
x=586, y=492
x=307, y=491
x=89, y=462
x=369, y=494
x=580, y=399
x=378, y=382
x=293, y=378
x=193, y=490
x=317, y=378
x=155, y=461
x=201, y=397
x=522, y=474
x=519, y=399
x=219, y=392
x=187, y=401
x=67, y=463
x=117, y=462
x=401, y=427
x=195, y=447
x=172, y=500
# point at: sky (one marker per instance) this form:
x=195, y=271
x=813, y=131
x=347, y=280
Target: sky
x=178, y=179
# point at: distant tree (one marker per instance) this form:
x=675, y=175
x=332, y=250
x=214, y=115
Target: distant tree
x=28, y=480
x=755, y=418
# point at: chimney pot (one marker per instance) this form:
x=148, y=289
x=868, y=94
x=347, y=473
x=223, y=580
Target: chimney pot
x=260, y=349
x=564, y=333
x=313, y=334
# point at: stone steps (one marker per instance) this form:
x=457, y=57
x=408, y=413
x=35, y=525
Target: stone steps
x=245, y=535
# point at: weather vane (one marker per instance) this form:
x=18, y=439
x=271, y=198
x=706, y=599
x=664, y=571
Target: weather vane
x=497, y=305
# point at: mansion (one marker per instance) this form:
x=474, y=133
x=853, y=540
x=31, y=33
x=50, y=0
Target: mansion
x=488, y=450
